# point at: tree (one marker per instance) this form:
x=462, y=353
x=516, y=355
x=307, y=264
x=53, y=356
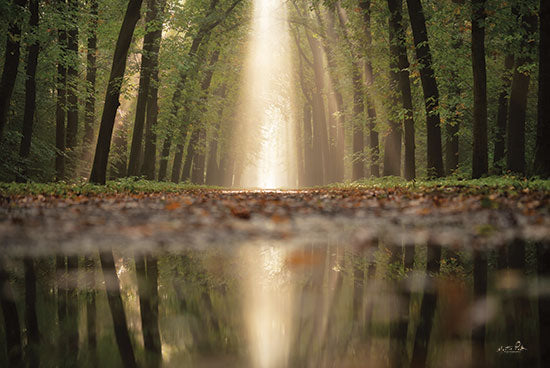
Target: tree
x=143, y=91
x=429, y=86
x=30, y=88
x=91, y=73
x=11, y=62
x=515, y=154
x=542, y=149
x=502, y=114
x=99, y=168
x=369, y=80
x=72, y=83
x=479, y=158
x=61, y=102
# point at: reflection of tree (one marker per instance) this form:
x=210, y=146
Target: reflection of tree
x=147, y=282
x=543, y=260
x=11, y=320
x=89, y=265
x=31, y=320
x=427, y=308
x=480, y=293
x=112, y=285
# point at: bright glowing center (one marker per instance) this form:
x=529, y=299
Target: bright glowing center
x=267, y=116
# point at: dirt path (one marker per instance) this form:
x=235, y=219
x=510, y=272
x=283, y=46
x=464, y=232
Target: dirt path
x=452, y=216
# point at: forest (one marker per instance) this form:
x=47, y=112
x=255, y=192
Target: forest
x=275, y=183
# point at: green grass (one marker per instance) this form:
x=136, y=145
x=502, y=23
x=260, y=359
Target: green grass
x=491, y=184
x=127, y=185
x=504, y=183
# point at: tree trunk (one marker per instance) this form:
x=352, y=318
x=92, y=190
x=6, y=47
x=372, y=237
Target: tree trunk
x=369, y=80
x=61, y=96
x=308, y=146
x=164, y=158
x=150, y=154
x=112, y=286
x=99, y=168
x=479, y=159
x=400, y=55
x=429, y=86
x=320, y=139
x=11, y=64
x=190, y=155
x=502, y=115
x=72, y=85
x=143, y=91
x=30, y=90
x=212, y=168
x=91, y=72
x=542, y=148
x=515, y=155
x=176, y=166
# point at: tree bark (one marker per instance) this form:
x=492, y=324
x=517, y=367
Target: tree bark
x=429, y=87
x=369, y=80
x=99, y=168
x=479, y=159
x=150, y=153
x=30, y=90
x=11, y=64
x=212, y=168
x=143, y=90
x=502, y=115
x=542, y=148
x=72, y=85
x=61, y=102
x=163, y=166
x=515, y=155
x=91, y=73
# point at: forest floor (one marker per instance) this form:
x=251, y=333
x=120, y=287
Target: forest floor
x=162, y=216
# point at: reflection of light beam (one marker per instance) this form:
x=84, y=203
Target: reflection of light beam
x=267, y=117
x=268, y=309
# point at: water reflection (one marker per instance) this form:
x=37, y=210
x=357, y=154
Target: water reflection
x=268, y=305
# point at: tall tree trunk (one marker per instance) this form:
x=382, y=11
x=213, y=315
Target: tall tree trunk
x=11, y=321
x=479, y=159
x=429, y=86
x=91, y=72
x=502, y=115
x=61, y=102
x=101, y=157
x=308, y=145
x=164, y=155
x=199, y=160
x=400, y=55
x=358, y=165
x=30, y=90
x=515, y=154
x=150, y=153
x=72, y=85
x=176, y=166
x=212, y=168
x=143, y=91
x=11, y=64
x=542, y=148
x=112, y=286
x=190, y=154
x=369, y=81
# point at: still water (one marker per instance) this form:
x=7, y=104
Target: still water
x=268, y=305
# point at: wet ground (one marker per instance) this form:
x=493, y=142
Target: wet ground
x=326, y=278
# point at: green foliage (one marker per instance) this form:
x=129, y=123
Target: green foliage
x=130, y=185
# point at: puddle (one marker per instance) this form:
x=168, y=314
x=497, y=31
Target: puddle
x=267, y=305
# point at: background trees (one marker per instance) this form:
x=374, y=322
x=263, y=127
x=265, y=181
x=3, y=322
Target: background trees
x=380, y=87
